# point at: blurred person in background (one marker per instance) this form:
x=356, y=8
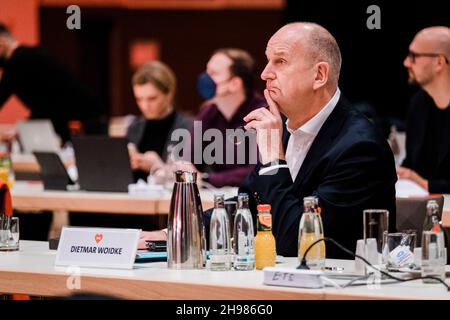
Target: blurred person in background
x=46, y=87
x=154, y=87
x=50, y=91
x=427, y=161
x=227, y=86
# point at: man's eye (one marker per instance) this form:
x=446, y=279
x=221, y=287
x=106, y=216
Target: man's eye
x=280, y=61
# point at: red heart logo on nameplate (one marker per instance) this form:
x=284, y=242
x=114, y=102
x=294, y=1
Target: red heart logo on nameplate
x=98, y=237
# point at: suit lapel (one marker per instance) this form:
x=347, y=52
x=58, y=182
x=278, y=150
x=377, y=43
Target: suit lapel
x=323, y=140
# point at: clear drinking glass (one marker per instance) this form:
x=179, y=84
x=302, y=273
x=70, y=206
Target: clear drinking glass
x=398, y=250
x=9, y=234
x=376, y=225
x=433, y=255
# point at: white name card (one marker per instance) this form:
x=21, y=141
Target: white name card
x=97, y=247
x=287, y=277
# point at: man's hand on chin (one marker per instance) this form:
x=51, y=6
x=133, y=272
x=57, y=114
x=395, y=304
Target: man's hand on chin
x=268, y=125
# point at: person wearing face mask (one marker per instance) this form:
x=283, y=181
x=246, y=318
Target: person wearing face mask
x=427, y=161
x=154, y=86
x=46, y=87
x=227, y=87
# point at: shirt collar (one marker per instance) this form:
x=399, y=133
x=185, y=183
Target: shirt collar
x=313, y=125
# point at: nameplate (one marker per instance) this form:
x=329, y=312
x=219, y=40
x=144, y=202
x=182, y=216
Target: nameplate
x=298, y=278
x=97, y=247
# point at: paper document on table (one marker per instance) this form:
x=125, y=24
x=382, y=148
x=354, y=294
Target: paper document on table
x=406, y=188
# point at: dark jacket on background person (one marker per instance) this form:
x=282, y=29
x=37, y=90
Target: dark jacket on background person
x=349, y=167
x=50, y=91
x=227, y=174
x=155, y=135
x=428, y=142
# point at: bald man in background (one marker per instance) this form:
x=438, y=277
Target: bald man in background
x=427, y=159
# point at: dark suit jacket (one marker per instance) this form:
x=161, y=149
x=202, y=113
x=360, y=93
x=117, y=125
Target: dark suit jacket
x=418, y=121
x=349, y=166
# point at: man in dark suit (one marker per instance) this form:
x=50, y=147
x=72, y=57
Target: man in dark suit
x=326, y=148
x=427, y=159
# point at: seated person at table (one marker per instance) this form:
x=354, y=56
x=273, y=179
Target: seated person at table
x=154, y=87
x=427, y=159
x=324, y=148
x=227, y=87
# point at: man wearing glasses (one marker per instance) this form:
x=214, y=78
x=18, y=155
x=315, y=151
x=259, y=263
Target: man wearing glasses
x=427, y=159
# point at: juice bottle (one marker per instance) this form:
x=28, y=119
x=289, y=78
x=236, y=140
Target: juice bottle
x=6, y=169
x=265, y=251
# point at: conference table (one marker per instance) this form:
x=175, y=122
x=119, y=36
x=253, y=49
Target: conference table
x=32, y=271
x=30, y=196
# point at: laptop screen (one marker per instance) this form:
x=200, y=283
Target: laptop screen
x=103, y=163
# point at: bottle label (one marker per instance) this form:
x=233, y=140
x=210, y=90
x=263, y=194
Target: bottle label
x=244, y=259
x=401, y=256
x=242, y=243
x=264, y=222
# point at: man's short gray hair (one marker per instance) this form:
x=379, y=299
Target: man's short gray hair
x=323, y=47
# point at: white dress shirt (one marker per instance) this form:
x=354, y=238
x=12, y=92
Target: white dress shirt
x=302, y=138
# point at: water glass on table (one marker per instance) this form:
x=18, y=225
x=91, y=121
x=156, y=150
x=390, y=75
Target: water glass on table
x=9, y=234
x=433, y=256
x=398, y=249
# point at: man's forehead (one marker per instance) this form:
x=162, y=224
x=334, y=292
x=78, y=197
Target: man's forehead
x=219, y=61
x=281, y=48
x=285, y=43
x=421, y=43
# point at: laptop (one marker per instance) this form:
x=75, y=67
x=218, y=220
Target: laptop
x=103, y=163
x=53, y=172
x=411, y=213
x=38, y=135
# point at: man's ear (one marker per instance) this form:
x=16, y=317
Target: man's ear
x=322, y=74
x=236, y=84
x=441, y=63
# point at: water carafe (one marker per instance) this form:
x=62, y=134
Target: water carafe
x=186, y=245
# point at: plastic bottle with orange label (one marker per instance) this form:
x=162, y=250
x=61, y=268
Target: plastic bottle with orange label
x=265, y=251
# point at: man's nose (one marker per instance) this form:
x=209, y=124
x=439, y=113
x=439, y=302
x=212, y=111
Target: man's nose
x=407, y=62
x=267, y=73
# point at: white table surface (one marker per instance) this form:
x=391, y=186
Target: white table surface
x=31, y=270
